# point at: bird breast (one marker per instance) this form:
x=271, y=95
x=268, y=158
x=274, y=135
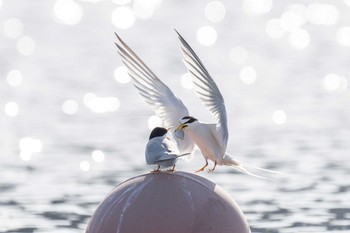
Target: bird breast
x=203, y=135
x=154, y=150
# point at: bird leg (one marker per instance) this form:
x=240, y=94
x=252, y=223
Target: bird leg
x=211, y=170
x=172, y=169
x=157, y=170
x=202, y=168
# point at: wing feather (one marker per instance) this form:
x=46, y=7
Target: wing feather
x=206, y=89
x=151, y=87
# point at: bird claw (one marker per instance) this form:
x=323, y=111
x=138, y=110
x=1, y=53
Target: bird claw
x=212, y=169
x=200, y=170
x=157, y=170
x=171, y=169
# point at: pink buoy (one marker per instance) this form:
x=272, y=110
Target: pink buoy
x=176, y=202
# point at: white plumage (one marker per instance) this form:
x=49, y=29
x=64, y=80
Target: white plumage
x=211, y=139
x=160, y=150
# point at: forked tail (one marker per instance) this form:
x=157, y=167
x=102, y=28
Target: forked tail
x=242, y=167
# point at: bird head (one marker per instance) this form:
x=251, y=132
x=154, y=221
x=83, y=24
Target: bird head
x=158, y=132
x=185, y=121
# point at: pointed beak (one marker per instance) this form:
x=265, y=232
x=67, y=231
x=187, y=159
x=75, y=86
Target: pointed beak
x=179, y=127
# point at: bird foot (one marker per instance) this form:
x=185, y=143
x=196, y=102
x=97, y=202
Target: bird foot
x=212, y=169
x=200, y=170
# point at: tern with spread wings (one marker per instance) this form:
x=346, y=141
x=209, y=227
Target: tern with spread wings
x=211, y=139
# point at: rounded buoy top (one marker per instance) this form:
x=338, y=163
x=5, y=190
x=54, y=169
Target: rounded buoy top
x=168, y=202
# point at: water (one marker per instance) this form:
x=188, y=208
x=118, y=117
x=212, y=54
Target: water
x=53, y=184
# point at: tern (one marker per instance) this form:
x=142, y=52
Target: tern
x=211, y=139
x=160, y=150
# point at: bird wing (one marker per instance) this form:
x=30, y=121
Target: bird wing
x=170, y=146
x=159, y=96
x=207, y=90
x=161, y=99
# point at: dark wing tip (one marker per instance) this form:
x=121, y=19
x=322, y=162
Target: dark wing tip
x=118, y=37
x=179, y=35
x=177, y=32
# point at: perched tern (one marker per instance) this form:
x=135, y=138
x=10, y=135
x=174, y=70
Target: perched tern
x=160, y=150
x=211, y=139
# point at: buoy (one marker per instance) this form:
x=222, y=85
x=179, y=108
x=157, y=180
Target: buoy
x=171, y=202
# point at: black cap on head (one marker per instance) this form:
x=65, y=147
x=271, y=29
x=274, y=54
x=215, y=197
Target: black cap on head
x=188, y=119
x=157, y=132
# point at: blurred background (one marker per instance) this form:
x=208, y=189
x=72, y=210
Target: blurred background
x=72, y=126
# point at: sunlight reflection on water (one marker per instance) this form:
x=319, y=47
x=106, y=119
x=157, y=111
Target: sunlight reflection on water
x=73, y=126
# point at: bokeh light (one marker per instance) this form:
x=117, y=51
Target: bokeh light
x=343, y=36
x=123, y=17
x=92, y=1
x=274, y=28
x=144, y=9
x=98, y=156
x=122, y=2
x=299, y=39
x=300, y=11
x=121, y=75
x=186, y=81
x=322, y=14
x=84, y=166
x=154, y=121
x=101, y=104
x=206, y=35
x=67, y=12
x=293, y=19
x=256, y=7
x=28, y=146
x=334, y=82
x=238, y=55
x=11, y=109
x=25, y=155
x=247, y=75
x=70, y=107
x=25, y=45
x=215, y=11
x=279, y=117
x=12, y=28
x=14, y=78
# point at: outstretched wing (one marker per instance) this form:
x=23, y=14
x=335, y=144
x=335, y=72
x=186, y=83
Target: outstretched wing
x=206, y=90
x=159, y=96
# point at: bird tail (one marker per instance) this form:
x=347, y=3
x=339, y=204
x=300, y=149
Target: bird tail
x=178, y=156
x=228, y=160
